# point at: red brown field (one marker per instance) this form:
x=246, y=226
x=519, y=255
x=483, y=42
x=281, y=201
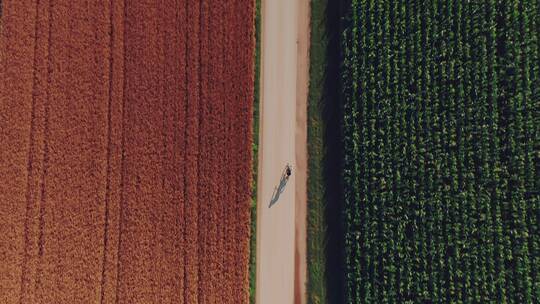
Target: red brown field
x=125, y=151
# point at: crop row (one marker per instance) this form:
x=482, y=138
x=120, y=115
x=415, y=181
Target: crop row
x=224, y=91
x=441, y=132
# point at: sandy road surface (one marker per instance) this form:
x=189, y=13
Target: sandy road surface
x=281, y=227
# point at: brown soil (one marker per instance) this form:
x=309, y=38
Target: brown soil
x=125, y=157
x=302, y=86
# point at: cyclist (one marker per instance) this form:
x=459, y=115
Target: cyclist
x=288, y=171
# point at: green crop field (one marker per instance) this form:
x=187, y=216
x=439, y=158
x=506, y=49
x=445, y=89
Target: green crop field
x=442, y=151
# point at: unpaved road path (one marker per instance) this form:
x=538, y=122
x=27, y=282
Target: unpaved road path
x=281, y=230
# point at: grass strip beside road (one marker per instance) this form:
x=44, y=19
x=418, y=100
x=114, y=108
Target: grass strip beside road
x=256, y=100
x=316, y=227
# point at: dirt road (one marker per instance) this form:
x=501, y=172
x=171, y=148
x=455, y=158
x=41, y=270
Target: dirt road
x=281, y=228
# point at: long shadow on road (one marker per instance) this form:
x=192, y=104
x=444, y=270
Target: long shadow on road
x=278, y=190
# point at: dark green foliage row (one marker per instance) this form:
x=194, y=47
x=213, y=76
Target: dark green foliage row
x=442, y=151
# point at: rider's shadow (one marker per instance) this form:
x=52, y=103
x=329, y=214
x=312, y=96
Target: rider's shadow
x=278, y=190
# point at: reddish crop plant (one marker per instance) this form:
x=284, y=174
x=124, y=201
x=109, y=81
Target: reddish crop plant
x=126, y=151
